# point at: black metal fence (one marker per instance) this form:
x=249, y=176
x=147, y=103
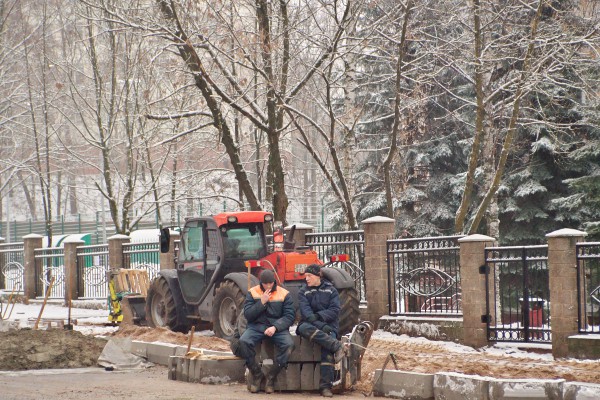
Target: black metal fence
x=351, y=243
x=588, y=286
x=518, y=293
x=11, y=267
x=92, y=271
x=50, y=270
x=424, y=276
x=144, y=256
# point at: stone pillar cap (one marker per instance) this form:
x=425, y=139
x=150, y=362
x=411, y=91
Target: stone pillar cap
x=566, y=232
x=33, y=236
x=378, y=219
x=118, y=236
x=299, y=225
x=476, y=238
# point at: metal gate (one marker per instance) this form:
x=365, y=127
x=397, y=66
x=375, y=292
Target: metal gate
x=518, y=294
x=424, y=276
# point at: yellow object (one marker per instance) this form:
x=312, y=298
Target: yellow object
x=116, y=314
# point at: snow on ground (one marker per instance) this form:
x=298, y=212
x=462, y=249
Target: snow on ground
x=88, y=321
x=500, y=349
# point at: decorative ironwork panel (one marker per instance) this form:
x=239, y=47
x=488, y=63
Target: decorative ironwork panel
x=518, y=294
x=144, y=256
x=11, y=267
x=588, y=286
x=424, y=276
x=92, y=271
x=349, y=242
x=49, y=264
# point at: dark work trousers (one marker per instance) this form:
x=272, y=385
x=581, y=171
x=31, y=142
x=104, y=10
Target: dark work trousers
x=329, y=345
x=284, y=344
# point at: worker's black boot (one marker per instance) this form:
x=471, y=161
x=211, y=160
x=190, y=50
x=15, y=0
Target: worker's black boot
x=257, y=377
x=271, y=376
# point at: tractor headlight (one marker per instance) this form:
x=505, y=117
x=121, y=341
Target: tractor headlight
x=232, y=219
x=268, y=217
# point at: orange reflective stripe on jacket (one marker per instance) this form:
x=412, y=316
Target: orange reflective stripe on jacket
x=277, y=296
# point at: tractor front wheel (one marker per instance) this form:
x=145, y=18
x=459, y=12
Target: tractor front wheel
x=227, y=306
x=161, y=310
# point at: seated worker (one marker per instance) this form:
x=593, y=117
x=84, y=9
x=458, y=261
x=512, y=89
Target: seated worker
x=269, y=311
x=319, y=304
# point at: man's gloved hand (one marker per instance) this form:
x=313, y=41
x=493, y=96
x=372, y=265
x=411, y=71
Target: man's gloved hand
x=312, y=318
x=327, y=329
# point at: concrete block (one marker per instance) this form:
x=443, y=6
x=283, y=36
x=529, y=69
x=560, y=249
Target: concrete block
x=159, y=353
x=317, y=375
x=403, y=385
x=517, y=389
x=175, y=368
x=139, y=348
x=307, y=379
x=305, y=351
x=586, y=346
x=185, y=370
x=208, y=371
x=454, y=386
x=289, y=378
x=172, y=369
x=298, y=354
x=581, y=391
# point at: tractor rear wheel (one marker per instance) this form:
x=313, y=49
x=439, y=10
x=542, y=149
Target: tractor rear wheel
x=228, y=304
x=161, y=310
x=349, y=313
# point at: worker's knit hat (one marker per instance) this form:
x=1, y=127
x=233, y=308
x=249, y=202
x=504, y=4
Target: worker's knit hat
x=267, y=276
x=313, y=269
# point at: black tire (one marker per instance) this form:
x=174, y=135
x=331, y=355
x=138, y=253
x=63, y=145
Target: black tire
x=228, y=304
x=350, y=313
x=161, y=310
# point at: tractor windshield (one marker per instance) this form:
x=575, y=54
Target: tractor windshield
x=243, y=241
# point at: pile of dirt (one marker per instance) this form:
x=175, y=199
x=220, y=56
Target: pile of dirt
x=164, y=335
x=46, y=349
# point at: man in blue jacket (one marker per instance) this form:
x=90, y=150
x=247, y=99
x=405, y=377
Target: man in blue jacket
x=269, y=310
x=319, y=303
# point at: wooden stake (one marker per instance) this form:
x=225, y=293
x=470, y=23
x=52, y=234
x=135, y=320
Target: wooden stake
x=14, y=301
x=190, y=339
x=10, y=300
x=44, y=303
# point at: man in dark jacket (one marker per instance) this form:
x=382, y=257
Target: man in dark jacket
x=319, y=303
x=269, y=310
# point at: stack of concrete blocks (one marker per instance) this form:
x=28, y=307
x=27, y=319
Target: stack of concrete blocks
x=455, y=386
x=207, y=366
x=303, y=371
x=304, y=367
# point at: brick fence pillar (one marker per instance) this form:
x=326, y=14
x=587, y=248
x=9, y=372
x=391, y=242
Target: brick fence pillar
x=562, y=267
x=115, y=250
x=31, y=242
x=377, y=231
x=167, y=260
x=70, y=254
x=473, y=289
x=301, y=231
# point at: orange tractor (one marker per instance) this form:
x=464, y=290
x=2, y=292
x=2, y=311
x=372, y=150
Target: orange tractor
x=219, y=258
